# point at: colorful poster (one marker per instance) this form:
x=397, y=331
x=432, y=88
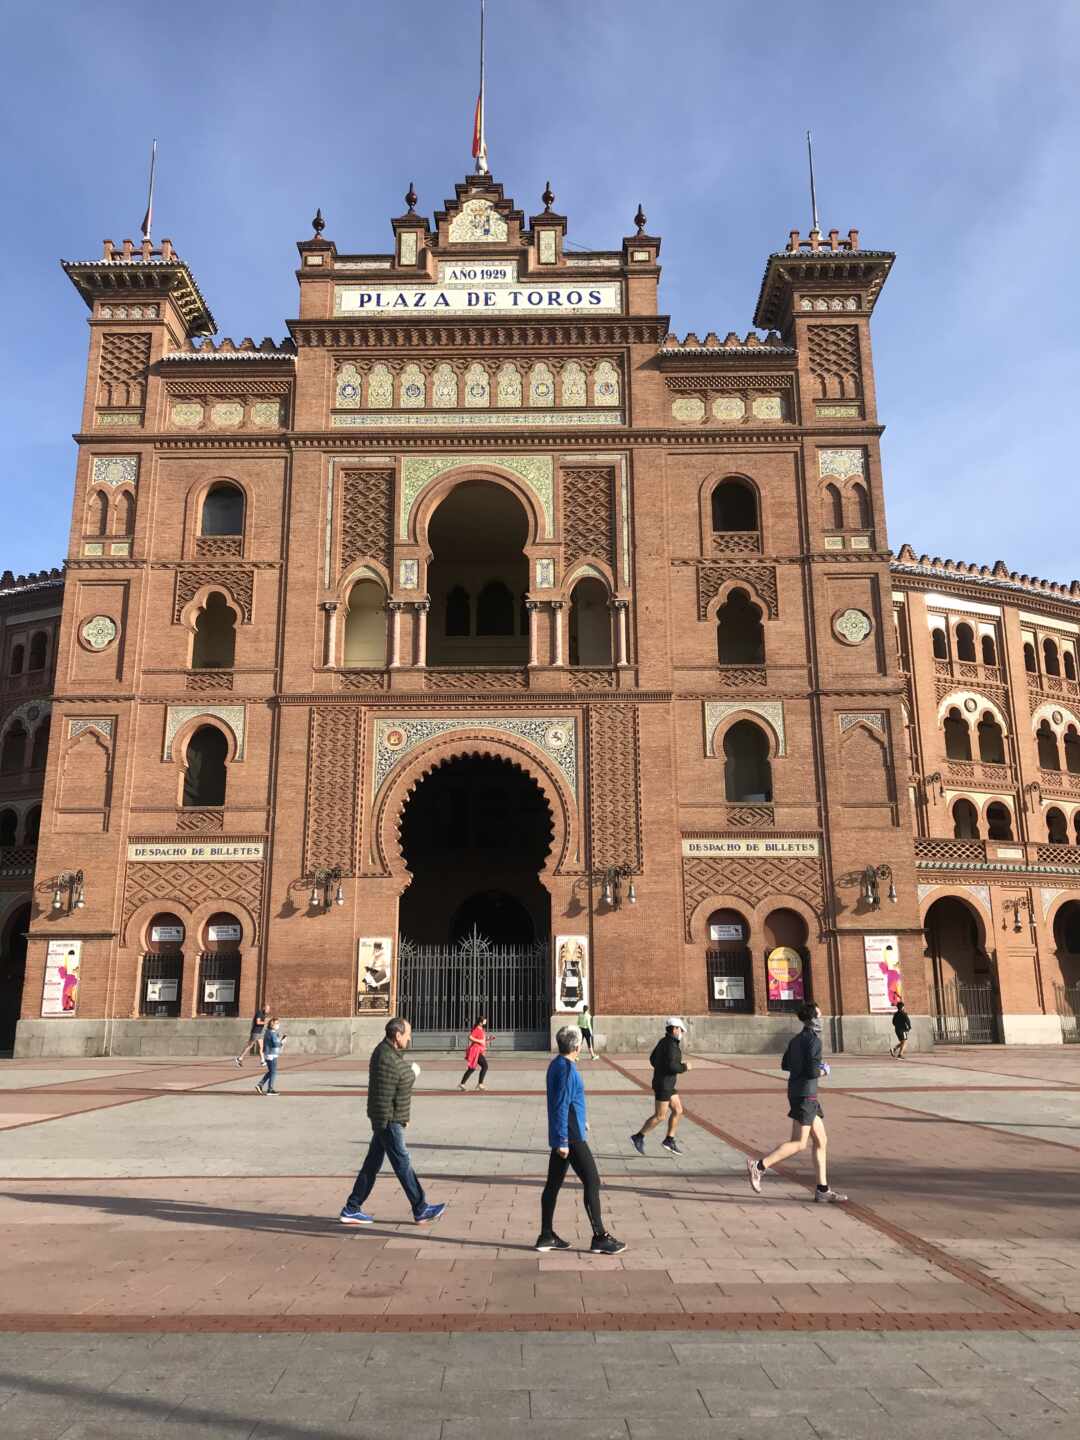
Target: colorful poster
x=571, y=973
x=784, y=968
x=884, y=982
x=728, y=987
x=60, y=995
x=373, y=972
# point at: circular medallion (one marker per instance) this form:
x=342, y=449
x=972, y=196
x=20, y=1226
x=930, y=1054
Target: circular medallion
x=1057, y=717
x=98, y=632
x=413, y=391
x=971, y=705
x=478, y=391
x=606, y=387
x=394, y=739
x=348, y=391
x=852, y=626
x=542, y=388
x=556, y=737
x=33, y=712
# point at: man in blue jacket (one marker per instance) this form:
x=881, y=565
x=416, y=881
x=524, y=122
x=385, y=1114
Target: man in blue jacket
x=804, y=1065
x=567, y=1129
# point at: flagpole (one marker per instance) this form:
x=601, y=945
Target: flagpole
x=813, y=192
x=481, y=158
x=148, y=218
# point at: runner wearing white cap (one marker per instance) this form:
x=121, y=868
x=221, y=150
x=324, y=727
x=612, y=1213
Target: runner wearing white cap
x=668, y=1064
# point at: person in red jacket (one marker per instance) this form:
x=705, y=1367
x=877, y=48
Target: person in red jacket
x=474, y=1053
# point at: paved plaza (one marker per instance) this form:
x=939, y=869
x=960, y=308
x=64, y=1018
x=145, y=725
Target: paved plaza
x=173, y=1264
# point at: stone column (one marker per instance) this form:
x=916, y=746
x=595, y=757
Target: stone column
x=422, y=607
x=533, y=607
x=330, y=608
x=395, y=608
x=557, y=622
x=622, y=632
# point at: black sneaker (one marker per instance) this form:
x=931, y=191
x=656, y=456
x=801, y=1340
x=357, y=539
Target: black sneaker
x=671, y=1145
x=551, y=1242
x=606, y=1245
x=638, y=1142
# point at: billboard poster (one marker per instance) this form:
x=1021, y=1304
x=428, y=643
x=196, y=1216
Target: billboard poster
x=884, y=981
x=784, y=969
x=60, y=995
x=373, y=972
x=571, y=973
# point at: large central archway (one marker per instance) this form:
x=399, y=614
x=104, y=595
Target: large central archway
x=475, y=919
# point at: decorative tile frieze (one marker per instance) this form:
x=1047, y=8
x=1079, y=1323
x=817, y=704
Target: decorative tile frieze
x=555, y=735
x=874, y=718
x=841, y=463
x=537, y=471
x=479, y=420
x=771, y=711
x=177, y=716
x=115, y=470
x=103, y=724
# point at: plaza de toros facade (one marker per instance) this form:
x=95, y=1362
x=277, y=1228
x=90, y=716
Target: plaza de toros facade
x=484, y=646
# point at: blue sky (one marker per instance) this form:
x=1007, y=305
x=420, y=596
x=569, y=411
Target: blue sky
x=945, y=131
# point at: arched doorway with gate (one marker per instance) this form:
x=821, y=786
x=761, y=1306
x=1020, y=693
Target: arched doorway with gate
x=967, y=1010
x=475, y=920
x=12, y=972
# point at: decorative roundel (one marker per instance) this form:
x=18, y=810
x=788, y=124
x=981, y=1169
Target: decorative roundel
x=543, y=388
x=1057, y=717
x=852, y=626
x=98, y=632
x=394, y=739
x=477, y=391
x=556, y=737
x=413, y=391
x=348, y=391
x=605, y=387
x=971, y=705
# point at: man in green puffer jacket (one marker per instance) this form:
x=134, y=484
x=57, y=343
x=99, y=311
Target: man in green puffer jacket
x=390, y=1085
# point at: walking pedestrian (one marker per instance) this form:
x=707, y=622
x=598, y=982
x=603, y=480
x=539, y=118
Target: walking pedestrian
x=584, y=1024
x=474, y=1053
x=390, y=1085
x=568, y=1127
x=270, y=1048
x=254, y=1041
x=668, y=1064
x=802, y=1060
x=901, y=1024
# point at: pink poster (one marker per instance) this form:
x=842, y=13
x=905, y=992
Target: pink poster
x=60, y=994
x=884, y=982
x=784, y=968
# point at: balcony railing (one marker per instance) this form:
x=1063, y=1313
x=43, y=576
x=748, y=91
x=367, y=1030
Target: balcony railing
x=736, y=542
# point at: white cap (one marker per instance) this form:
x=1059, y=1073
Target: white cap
x=675, y=1023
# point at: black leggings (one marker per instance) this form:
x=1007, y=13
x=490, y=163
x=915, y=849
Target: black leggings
x=483, y=1067
x=586, y=1036
x=584, y=1167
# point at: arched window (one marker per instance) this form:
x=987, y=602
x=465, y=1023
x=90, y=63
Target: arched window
x=747, y=772
x=214, y=646
x=495, y=610
x=740, y=636
x=957, y=736
x=1076, y=828
x=13, y=751
x=1030, y=663
x=734, y=508
x=1069, y=661
x=965, y=643
x=989, y=650
x=728, y=963
x=1072, y=751
x=965, y=821
x=458, y=612
x=1057, y=828
x=97, y=513
x=940, y=644
x=9, y=823
x=861, y=506
x=1047, y=744
x=40, y=750
x=125, y=514
x=18, y=659
x=834, y=508
x=223, y=510
x=590, y=624
x=32, y=826
x=365, y=625
x=991, y=741
x=1051, y=663
x=998, y=821
x=204, y=780
x=39, y=651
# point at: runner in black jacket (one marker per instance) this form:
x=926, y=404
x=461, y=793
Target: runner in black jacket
x=668, y=1064
x=804, y=1065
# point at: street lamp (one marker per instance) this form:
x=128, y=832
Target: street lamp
x=1014, y=906
x=871, y=891
x=611, y=894
x=326, y=887
x=68, y=892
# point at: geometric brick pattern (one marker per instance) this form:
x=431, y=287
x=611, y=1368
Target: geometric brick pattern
x=750, y=880
x=193, y=884
x=834, y=359
x=588, y=515
x=332, y=828
x=712, y=578
x=614, y=787
x=122, y=373
x=237, y=582
x=212, y=547
x=367, y=516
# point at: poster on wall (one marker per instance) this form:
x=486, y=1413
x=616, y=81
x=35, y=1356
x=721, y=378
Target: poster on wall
x=60, y=995
x=571, y=973
x=725, y=932
x=884, y=983
x=223, y=934
x=166, y=934
x=784, y=968
x=728, y=987
x=373, y=969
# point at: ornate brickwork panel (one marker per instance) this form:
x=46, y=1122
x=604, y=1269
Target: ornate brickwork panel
x=555, y=735
x=202, y=681
x=997, y=694
x=741, y=677
x=214, y=547
x=761, y=579
x=756, y=816
x=591, y=679
x=122, y=374
x=194, y=883
x=332, y=828
x=362, y=680
x=614, y=786
x=476, y=680
x=750, y=880
x=834, y=360
x=588, y=514
x=367, y=516
x=200, y=820
x=237, y=582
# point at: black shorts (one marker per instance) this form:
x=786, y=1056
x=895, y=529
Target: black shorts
x=806, y=1110
x=664, y=1095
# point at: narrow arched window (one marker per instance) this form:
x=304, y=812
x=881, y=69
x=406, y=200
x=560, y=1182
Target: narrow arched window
x=97, y=514
x=365, y=625
x=1069, y=661
x=965, y=821
x=965, y=643
x=1057, y=828
x=1051, y=663
x=214, y=647
x=940, y=644
x=989, y=650
x=1072, y=752
x=125, y=514
x=747, y=772
x=13, y=751
x=590, y=624
x=957, y=736
x=999, y=821
x=834, y=508
x=223, y=510
x=18, y=659
x=740, y=635
x=32, y=826
x=495, y=610
x=1030, y=663
x=39, y=651
x=861, y=506
x=991, y=741
x=40, y=751
x=9, y=824
x=1047, y=745
x=734, y=508
x=204, y=780
x=458, y=612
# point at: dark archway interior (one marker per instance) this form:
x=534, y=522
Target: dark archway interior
x=475, y=834
x=952, y=940
x=12, y=973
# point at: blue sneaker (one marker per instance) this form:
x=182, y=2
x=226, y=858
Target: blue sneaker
x=429, y=1213
x=638, y=1142
x=351, y=1216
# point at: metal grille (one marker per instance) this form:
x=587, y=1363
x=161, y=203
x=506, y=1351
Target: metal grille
x=442, y=989
x=220, y=971
x=162, y=975
x=1068, y=1009
x=965, y=1014
x=729, y=967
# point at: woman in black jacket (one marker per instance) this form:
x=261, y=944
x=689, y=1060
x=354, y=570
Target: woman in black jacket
x=668, y=1064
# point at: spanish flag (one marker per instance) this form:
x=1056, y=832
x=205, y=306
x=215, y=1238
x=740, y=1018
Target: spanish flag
x=479, y=144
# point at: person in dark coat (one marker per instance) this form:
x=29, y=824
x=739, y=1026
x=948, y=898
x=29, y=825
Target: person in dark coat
x=901, y=1024
x=804, y=1065
x=668, y=1064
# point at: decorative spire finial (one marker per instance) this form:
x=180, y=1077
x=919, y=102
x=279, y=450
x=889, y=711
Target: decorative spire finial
x=640, y=219
x=548, y=198
x=318, y=224
x=410, y=198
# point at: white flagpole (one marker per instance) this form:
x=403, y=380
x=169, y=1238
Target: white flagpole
x=813, y=191
x=148, y=218
x=481, y=158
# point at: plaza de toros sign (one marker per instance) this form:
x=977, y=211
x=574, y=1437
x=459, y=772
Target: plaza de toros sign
x=481, y=287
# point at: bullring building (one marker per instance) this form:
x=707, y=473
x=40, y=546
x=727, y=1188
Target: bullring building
x=482, y=646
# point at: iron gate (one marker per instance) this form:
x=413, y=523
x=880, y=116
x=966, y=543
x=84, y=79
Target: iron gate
x=965, y=1014
x=442, y=989
x=1068, y=1009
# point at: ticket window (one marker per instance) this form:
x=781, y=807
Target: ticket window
x=728, y=964
x=219, y=967
x=163, y=968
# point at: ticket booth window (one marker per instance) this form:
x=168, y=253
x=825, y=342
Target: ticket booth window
x=162, y=981
x=219, y=967
x=728, y=965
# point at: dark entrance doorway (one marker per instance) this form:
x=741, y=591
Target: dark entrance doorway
x=475, y=920
x=12, y=973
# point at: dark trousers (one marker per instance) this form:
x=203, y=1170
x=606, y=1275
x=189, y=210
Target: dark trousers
x=388, y=1143
x=580, y=1159
x=586, y=1036
x=482, y=1065
x=269, y=1079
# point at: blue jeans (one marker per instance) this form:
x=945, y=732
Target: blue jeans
x=387, y=1144
x=268, y=1080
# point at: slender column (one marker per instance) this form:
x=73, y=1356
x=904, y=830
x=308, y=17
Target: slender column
x=557, y=621
x=330, y=610
x=533, y=607
x=395, y=607
x=622, y=631
x=422, y=607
